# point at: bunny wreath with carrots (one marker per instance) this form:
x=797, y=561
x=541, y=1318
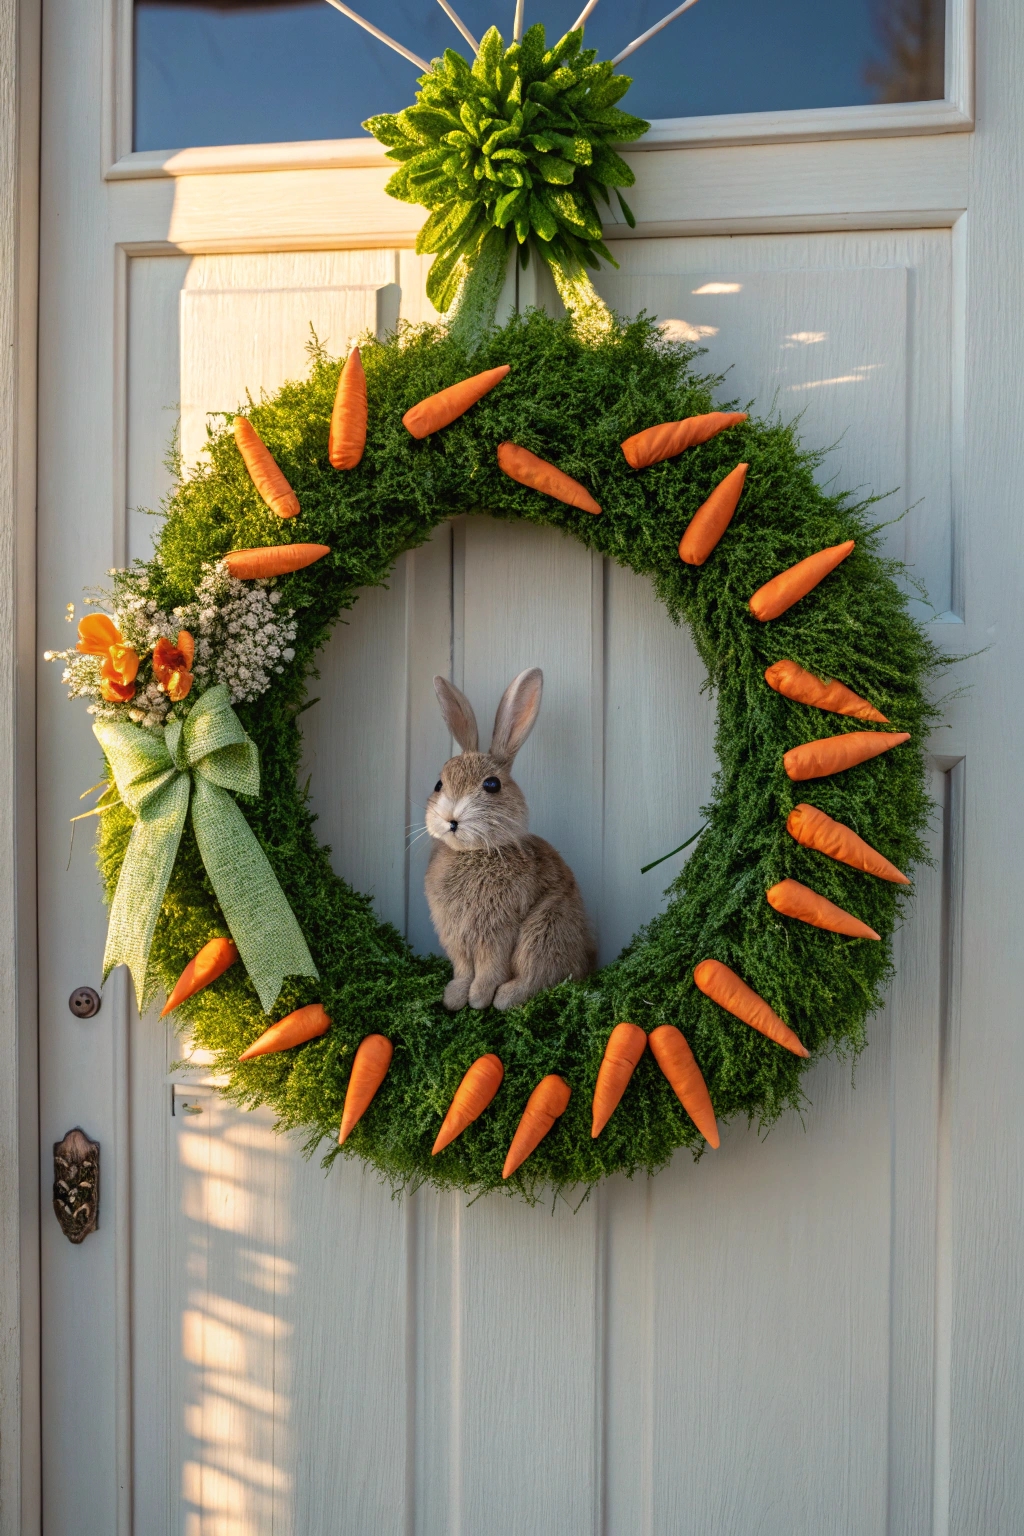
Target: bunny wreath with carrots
x=776, y=940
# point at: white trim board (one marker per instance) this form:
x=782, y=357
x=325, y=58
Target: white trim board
x=19, y=1129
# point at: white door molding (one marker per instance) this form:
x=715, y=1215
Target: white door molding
x=19, y=1179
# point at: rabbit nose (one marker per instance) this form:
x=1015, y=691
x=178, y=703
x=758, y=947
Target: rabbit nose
x=453, y=826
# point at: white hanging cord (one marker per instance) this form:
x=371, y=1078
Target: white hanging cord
x=639, y=41
x=581, y=18
x=382, y=37
x=467, y=34
x=517, y=28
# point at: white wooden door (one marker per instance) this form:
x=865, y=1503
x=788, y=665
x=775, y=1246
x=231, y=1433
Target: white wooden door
x=776, y=1340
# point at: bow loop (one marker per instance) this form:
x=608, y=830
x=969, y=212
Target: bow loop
x=139, y=760
x=156, y=775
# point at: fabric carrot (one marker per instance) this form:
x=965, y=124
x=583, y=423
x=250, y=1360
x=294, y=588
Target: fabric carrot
x=547, y=1101
x=472, y=1097
x=725, y=988
x=449, y=404
x=831, y=754
x=712, y=517
x=302, y=1025
x=369, y=1069
x=813, y=829
x=773, y=599
x=794, y=683
x=525, y=467
x=274, y=560
x=626, y=1044
x=795, y=900
x=347, y=440
x=671, y=437
x=677, y=1061
x=263, y=470
x=212, y=961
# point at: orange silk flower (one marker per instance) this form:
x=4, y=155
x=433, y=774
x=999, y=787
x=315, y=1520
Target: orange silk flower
x=171, y=665
x=98, y=635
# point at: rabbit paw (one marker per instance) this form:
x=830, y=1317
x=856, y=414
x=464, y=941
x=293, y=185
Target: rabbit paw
x=456, y=992
x=511, y=994
x=482, y=991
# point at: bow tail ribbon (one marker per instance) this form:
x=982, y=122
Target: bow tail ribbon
x=255, y=908
x=142, y=883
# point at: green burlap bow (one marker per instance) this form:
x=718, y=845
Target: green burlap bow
x=156, y=774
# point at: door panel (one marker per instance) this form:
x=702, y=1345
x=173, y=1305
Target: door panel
x=743, y=1343
x=849, y=333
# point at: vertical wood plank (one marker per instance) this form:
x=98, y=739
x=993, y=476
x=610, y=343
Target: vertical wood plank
x=347, y=1306
x=153, y=391
x=528, y=1363
x=79, y=535
x=243, y=1289
x=771, y=1320
x=428, y=635
x=987, y=1140
x=525, y=1359
x=659, y=754
x=917, y=1016
x=529, y=598
x=354, y=746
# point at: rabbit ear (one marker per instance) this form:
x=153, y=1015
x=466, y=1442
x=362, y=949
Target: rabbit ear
x=458, y=714
x=517, y=714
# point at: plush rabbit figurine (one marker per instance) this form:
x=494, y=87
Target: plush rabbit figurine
x=505, y=904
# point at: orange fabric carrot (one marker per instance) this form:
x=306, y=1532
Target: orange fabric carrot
x=813, y=829
x=347, y=440
x=547, y=1101
x=677, y=1061
x=369, y=1069
x=212, y=961
x=831, y=754
x=449, y=404
x=671, y=437
x=725, y=988
x=626, y=1044
x=773, y=599
x=274, y=560
x=712, y=517
x=795, y=900
x=525, y=467
x=263, y=470
x=472, y=1097
x=298, y=1027
x=794, y=683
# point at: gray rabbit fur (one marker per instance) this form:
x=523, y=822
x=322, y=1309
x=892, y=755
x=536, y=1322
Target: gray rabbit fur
x=505, y=904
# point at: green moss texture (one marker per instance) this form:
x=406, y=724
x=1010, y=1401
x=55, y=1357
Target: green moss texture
x=572, y=403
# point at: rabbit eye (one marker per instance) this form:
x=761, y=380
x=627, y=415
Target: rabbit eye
x=437, y=787
x=492, y=786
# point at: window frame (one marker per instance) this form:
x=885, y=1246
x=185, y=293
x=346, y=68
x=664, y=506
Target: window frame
x=955, y=114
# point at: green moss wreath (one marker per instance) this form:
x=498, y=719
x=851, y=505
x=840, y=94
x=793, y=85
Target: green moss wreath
x=571, y=402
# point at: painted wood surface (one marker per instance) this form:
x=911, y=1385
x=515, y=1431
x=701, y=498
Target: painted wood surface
x=313, y=1355
x=811, y=1332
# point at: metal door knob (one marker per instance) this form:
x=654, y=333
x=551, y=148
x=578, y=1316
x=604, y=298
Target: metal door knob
x=84, y=1002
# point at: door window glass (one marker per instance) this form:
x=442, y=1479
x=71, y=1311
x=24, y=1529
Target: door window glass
x=263, y=71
